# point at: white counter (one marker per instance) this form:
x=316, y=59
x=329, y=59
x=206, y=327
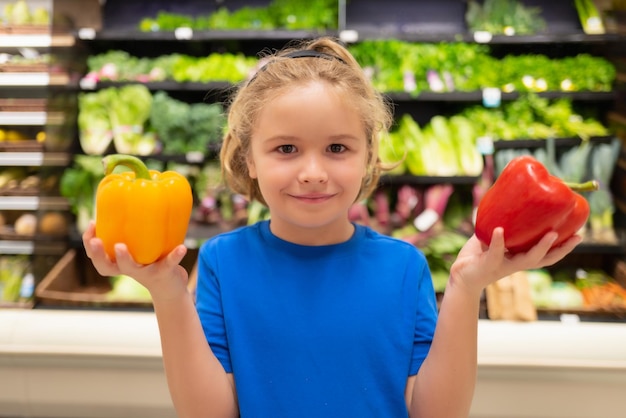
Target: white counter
x=107, y=364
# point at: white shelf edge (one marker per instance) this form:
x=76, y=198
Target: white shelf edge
x=33, y=159
x=22, y=118
x=36, y=41
x=32, y=203
x=26, y=79
x=16, y=247
x=30, y=118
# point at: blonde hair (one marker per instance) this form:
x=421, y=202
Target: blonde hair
x=283, y=73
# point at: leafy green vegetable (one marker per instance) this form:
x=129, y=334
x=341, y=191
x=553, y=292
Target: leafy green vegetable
x=94, y=124
x=129, y=110
x=504, y=17
x=78, y=185
x=470, y=67
x=182, y=127
x=286, y=14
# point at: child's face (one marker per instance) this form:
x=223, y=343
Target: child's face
x=308, y=154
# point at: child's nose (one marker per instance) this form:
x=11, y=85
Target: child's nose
x=313, y=171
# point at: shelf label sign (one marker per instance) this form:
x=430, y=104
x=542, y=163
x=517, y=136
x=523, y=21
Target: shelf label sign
x=183, y=33
x=86, y=33
x=349, y=36
x=485, y=145
x=482, y=37
x=492, y=97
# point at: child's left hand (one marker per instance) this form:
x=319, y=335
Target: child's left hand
x=477, y=265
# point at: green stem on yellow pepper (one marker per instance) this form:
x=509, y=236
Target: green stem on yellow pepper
x=113, y=160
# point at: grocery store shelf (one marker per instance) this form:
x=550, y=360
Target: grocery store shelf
x=30, y=118
x=33, y=203
x=36, y=41
x=34, y=159
x=541, y=143
x=16, y=247
x=390, y=180
x=86, y=84
x=477, y=96
x=27, y=79
x=103, y=364
x=416, y=33
x=186, y=34
x=35, y=246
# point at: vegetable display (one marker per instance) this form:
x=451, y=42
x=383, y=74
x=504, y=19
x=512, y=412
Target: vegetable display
x=285, y=14
x=589, y=17
x=78, y=185
x=414, y=67
x=140, y=123
x=116, y=65
x=528, y=202
x=20, y=13
x=147, y=210
x=509, y=17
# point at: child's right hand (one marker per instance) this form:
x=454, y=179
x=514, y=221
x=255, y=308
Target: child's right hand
x=165, y=278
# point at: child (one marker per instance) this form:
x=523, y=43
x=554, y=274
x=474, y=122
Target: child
x=308, y=314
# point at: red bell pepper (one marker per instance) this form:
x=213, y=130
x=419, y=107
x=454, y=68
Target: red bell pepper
x=528, y=202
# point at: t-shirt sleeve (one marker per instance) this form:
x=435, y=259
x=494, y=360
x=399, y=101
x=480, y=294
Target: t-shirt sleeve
x=209, y=307
x=426, y=318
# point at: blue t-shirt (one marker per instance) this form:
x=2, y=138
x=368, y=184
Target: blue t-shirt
x=316, y=331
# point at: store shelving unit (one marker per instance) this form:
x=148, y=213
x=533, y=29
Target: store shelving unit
x=556, y=368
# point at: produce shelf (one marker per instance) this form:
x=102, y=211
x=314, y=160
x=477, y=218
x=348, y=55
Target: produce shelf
x=31, y=118
x=86, y=84
x=541, y=143
x=477, y=96
x=26, y=79
x=33, y=159
x=186, y=35
x=422, y=35
x=393, y=180
x=33, y=203
x=36, y=41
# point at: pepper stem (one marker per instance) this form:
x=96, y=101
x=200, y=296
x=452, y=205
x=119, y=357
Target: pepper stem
x=113, y=160
x=588, y=186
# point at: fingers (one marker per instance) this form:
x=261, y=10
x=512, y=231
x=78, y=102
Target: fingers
x=497, y=240
x=539, y=251
x=124, y=259
x=175, y=257
x=558, y=253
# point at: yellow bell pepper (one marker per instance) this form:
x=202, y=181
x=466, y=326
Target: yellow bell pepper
x=147, y=210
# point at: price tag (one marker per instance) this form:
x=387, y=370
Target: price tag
x=570, y=319
x=509, y=31
x=183, y=33
x=425, y=220
x=86, y=33
x=349, y=36
x=492, y=97
x=87, y=83
x=485, y=145
x=194, y=157
x=482, y=36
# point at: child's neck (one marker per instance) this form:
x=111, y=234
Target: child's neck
x=314, y=236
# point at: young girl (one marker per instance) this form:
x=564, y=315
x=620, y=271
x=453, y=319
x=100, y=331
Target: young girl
x=308, y=314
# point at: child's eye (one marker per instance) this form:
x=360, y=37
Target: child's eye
x=287, y=149
x=336, y=148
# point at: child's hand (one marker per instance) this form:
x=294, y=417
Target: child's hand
x=163, y=278
x=477, y=265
